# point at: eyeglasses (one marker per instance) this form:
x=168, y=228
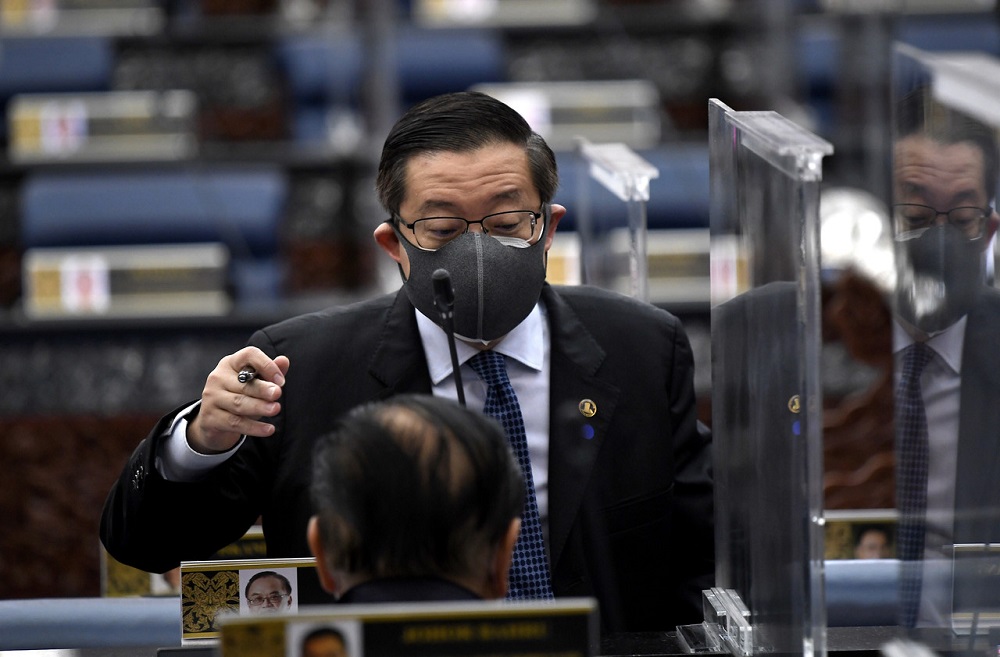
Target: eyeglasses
x=431, y=233
x=912, y=219
x=273, y=598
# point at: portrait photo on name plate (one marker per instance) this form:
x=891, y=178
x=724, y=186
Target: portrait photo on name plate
x=268, y=591
x=340, y=638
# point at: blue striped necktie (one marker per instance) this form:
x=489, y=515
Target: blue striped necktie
x=529, y=571
x=912, y=457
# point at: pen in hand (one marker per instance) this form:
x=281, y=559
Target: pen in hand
x=247, y=374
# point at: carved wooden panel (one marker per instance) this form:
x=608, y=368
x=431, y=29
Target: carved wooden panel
x=56, y=474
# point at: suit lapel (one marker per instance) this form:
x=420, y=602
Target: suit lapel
x=574, y=440
x=398, y=361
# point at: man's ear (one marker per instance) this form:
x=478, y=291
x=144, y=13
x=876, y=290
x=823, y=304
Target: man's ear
x=502, y=559
x=991, y=224
x=557, y=213
x=388, y=241
x=326, y=578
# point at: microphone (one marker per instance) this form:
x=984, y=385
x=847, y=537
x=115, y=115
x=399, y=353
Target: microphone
x=444, y=299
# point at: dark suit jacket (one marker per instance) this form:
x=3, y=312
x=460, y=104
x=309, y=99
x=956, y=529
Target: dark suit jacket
x=630, y=509
x=977, y=484
x=977, y=487
x=406, y=589
x=761, y=457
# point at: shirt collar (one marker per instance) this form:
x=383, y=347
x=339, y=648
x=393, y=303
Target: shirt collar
x=947, y=344
x=524, y=343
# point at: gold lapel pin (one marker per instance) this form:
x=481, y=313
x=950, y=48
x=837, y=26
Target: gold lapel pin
x=794, y=404
x=588, y=408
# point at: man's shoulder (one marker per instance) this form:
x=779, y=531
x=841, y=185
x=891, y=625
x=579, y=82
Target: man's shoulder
x=990, y=298
x=349, y=315
x=985, y=313
x=605, y=305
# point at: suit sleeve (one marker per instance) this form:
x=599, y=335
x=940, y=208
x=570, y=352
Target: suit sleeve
x=153, y=524
x=660, y=531
x=692, y=547
x=644, y=540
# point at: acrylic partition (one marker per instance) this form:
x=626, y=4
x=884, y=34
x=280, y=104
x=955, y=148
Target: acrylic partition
x=626, y=175
x=766, y=397
x=946, y=115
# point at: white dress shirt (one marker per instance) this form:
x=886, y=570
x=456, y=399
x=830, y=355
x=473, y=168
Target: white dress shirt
x=527, y=350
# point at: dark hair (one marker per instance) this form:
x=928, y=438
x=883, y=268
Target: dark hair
x=268, y=573
x=917, y=113
x=459, y=122
x=321, y=632
x=415, y=486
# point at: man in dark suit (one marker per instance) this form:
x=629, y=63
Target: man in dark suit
x=415, y=498
x=945, y=170
x=620, y=471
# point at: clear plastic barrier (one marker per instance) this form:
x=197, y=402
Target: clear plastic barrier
x=766, y=398
x=945, y=179
x=626, y=175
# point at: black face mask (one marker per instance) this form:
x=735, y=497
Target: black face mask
x=940, y=273
x=497, y=282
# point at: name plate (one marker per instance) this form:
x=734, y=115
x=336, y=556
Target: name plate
x=80, y=17
x=215, y=590
x=626, y=111
x=562, y=628
x=126, y=281
x=112, y=125
x=847, y=530
x=494, y=13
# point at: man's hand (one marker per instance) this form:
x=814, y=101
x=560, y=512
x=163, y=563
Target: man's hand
x=230, y=409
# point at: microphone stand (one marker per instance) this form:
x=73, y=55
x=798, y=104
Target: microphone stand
x=444, y=299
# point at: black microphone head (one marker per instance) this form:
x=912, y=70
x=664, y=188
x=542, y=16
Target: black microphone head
x=444, y=293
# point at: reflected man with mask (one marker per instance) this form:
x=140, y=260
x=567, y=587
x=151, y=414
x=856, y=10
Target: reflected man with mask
x=946, y=360
x=601, y=385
